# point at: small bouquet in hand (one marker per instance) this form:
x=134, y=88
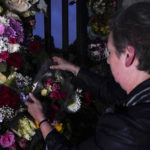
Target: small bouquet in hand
x=55, y=91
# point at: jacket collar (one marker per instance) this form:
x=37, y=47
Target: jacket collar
x=140, y=94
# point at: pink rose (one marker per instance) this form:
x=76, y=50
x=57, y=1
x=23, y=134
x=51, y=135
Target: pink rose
x=7, y=139
x=55, y=87
x=2, y=29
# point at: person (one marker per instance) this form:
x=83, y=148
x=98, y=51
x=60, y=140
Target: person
x=128, y=127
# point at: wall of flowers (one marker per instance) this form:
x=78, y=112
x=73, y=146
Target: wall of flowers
x=100, y=15
x=24, y=68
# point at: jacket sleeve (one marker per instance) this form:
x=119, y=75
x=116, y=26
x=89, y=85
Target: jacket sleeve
x=111, y=133
x=56, y=141
x=100, y=87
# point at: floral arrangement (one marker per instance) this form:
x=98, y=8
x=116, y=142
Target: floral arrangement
x=102, y=7
x=11, y=35
x=100, y=16
x=97, y=50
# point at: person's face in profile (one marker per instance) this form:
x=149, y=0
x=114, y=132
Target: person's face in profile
x=116, y=62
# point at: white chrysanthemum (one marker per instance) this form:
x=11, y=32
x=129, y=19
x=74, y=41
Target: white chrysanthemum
x=13, y=48
x=3, y=46
x=4, y=21
x=75, y=106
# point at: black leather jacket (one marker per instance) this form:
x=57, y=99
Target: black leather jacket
x=127, y=128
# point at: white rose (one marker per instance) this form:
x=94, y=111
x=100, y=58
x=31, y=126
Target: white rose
x=20, y=5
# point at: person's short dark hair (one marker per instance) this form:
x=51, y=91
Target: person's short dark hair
x=132, y=27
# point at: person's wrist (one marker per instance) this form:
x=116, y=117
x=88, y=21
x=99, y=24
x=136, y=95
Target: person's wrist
x=75, y=70
x=43, y=121
x=40, y=117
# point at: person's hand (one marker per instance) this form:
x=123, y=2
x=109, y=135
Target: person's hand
x=35, y=108
x=62, y=64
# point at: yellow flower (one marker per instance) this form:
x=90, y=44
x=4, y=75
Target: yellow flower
x=1, y=9
x=44, y=92
x=26, y=128
x=2, y=78
x=95, y=26
x=28, y=13
x=36, y=123
x=105, y=29
x=59, y=127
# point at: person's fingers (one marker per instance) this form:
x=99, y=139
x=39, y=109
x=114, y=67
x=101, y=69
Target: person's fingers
x=26, y=103
x=56, y=59
x=55, y=67
x=34, y=99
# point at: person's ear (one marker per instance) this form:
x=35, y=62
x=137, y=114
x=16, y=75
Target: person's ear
x=130, y=55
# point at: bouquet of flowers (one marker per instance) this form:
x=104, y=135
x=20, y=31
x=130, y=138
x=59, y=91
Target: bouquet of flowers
x=11, y=35
x=54, y=88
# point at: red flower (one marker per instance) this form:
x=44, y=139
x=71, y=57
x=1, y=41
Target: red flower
x=22, y=143
x=63, y=94
x=87, y=98
x=48, y=82
x=55, y=86
x=12, y=41
x=34, y=47
x=8, y=97
x=3, y=56
x=14, y=60
x=55, y=95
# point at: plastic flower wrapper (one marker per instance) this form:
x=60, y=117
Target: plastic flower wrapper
x=56, y=92
x=24, y=129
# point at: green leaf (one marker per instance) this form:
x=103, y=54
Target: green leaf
x=3, y=67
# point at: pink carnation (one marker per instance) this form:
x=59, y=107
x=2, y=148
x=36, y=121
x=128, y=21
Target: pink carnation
x=7, y=139
x=2, y=29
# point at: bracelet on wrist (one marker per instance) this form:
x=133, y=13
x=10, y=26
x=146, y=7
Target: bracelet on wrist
x=44, y=120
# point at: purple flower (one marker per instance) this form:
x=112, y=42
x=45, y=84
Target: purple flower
x=2, y=29
x=24, y=97
x=10, y=32
x=18, y=28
